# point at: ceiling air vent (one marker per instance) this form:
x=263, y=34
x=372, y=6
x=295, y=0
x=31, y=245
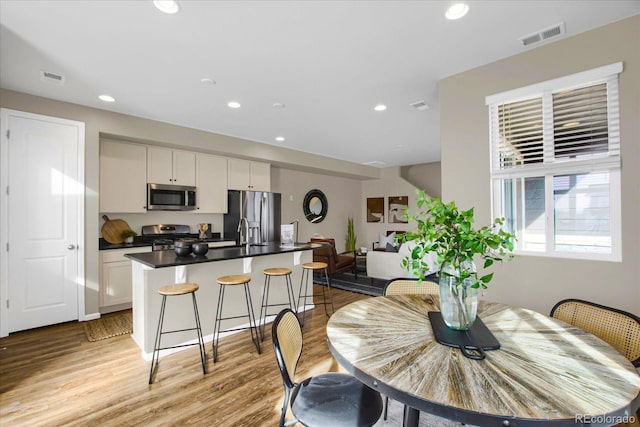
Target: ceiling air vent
x=542, y=35
x=52, y=78
x=420, y=105
x=374, y=163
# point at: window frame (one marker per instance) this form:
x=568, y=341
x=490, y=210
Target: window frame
x=552, y=166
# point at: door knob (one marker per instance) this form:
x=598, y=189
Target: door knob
x=71, y=247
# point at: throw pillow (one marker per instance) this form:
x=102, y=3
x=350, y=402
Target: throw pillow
x=391, y=248
x=383, y=240
x=406, y=248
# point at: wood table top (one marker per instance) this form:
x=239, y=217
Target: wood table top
x=546, y=371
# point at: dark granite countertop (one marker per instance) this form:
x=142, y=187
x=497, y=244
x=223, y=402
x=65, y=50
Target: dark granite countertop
x=160, y=259
x=104, y=245
x=138, y=242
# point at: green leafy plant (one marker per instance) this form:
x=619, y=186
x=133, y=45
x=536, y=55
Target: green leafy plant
x=444, y=229
x=351, y=237
x=128, y=233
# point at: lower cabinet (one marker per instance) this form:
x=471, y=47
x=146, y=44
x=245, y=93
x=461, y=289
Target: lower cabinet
x=115, y=276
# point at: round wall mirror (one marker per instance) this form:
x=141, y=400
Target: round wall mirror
x=315, y=206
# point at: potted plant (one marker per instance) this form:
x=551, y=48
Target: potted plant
x=128, y=235
x=351, y=237
x=444, y=229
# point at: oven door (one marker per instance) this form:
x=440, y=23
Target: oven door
x=162, y=197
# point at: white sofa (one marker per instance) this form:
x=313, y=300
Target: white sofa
x=388, y=265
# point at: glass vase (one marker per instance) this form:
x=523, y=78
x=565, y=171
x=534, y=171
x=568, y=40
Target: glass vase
x=458, y=301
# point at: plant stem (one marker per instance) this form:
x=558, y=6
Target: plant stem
x=459, y=291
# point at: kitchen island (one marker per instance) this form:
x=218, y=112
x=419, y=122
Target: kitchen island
x=152, y=270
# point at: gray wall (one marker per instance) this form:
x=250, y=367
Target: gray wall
x=539, y=282
x=426, y=176
x=343, y=196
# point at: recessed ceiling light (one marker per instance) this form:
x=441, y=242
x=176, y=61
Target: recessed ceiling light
x=107, y=98
x=280, y=138
x=279, y=105
x=207, y=81
x=233, y=104
x=457, y=11
x=167, y=6
x=380, y=107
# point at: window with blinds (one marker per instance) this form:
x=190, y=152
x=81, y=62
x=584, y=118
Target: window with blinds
x=580, y=124
x=555, y=161
x=520, y=125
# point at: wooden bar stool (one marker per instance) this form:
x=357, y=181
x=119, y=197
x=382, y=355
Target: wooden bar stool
x=225, y=281
x=173, y=290
x=268, y=274
x=308, y=269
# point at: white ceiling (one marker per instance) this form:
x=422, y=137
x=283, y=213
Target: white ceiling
x=329, y=62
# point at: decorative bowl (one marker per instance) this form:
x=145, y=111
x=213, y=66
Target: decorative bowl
x=182, y=251
x=200, y=248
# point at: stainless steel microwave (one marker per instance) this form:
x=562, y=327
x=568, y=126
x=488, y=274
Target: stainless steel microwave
x=162, y=197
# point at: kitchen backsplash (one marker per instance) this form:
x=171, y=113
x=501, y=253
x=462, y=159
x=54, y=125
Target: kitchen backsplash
x=137, y=220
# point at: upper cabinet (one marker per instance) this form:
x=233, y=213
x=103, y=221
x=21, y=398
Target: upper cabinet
x=211, y=180
x=126, y=168
x=248, y=175
x=123, y=177
x=167, y=166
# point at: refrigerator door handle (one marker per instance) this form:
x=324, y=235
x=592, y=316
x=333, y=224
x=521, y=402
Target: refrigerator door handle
x=264, y=215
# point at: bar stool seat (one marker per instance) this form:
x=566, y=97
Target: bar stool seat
x=315, y=265
x=240, y=279
x=264, y=308
x=174, y=290
x=178, y=289
x=234, y=280
x=307, y=269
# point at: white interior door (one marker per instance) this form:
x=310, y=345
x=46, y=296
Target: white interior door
x=45, y=215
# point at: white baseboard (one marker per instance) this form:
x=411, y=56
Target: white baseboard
x=87, y=317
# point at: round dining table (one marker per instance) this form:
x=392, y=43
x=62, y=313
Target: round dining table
x=546, y=372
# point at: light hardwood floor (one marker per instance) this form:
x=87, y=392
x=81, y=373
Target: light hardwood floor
x=54, y=377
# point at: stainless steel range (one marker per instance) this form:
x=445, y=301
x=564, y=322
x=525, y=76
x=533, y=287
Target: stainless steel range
x=162, y=236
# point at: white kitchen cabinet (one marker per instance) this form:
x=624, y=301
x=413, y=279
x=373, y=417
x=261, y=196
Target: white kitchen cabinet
x=167, y=166
x=248, y=175
x=211, y=183
x=115, y=276
x=123, y=177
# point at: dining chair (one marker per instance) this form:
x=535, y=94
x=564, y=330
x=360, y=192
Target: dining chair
x=410, y=286
x=618, y=328
x=325, y=399
x=407, y=287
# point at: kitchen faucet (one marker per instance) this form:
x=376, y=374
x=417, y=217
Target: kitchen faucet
x=246, y=232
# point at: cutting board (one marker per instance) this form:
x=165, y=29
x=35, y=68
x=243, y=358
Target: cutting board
x=112, y=229
x=472, y=343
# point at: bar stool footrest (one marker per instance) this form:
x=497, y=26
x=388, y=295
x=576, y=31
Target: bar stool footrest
x=178, y=346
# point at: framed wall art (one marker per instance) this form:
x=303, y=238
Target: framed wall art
x=397, y=206
x=375, y=209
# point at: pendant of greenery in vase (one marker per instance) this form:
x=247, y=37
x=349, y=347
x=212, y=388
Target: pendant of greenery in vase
x=458, y=299
x=442, y=229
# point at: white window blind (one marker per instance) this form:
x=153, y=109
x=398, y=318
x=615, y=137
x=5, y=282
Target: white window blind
x=555, y=165
x=561, y=129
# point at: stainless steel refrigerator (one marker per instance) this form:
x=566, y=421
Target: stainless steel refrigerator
x=261, y=209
